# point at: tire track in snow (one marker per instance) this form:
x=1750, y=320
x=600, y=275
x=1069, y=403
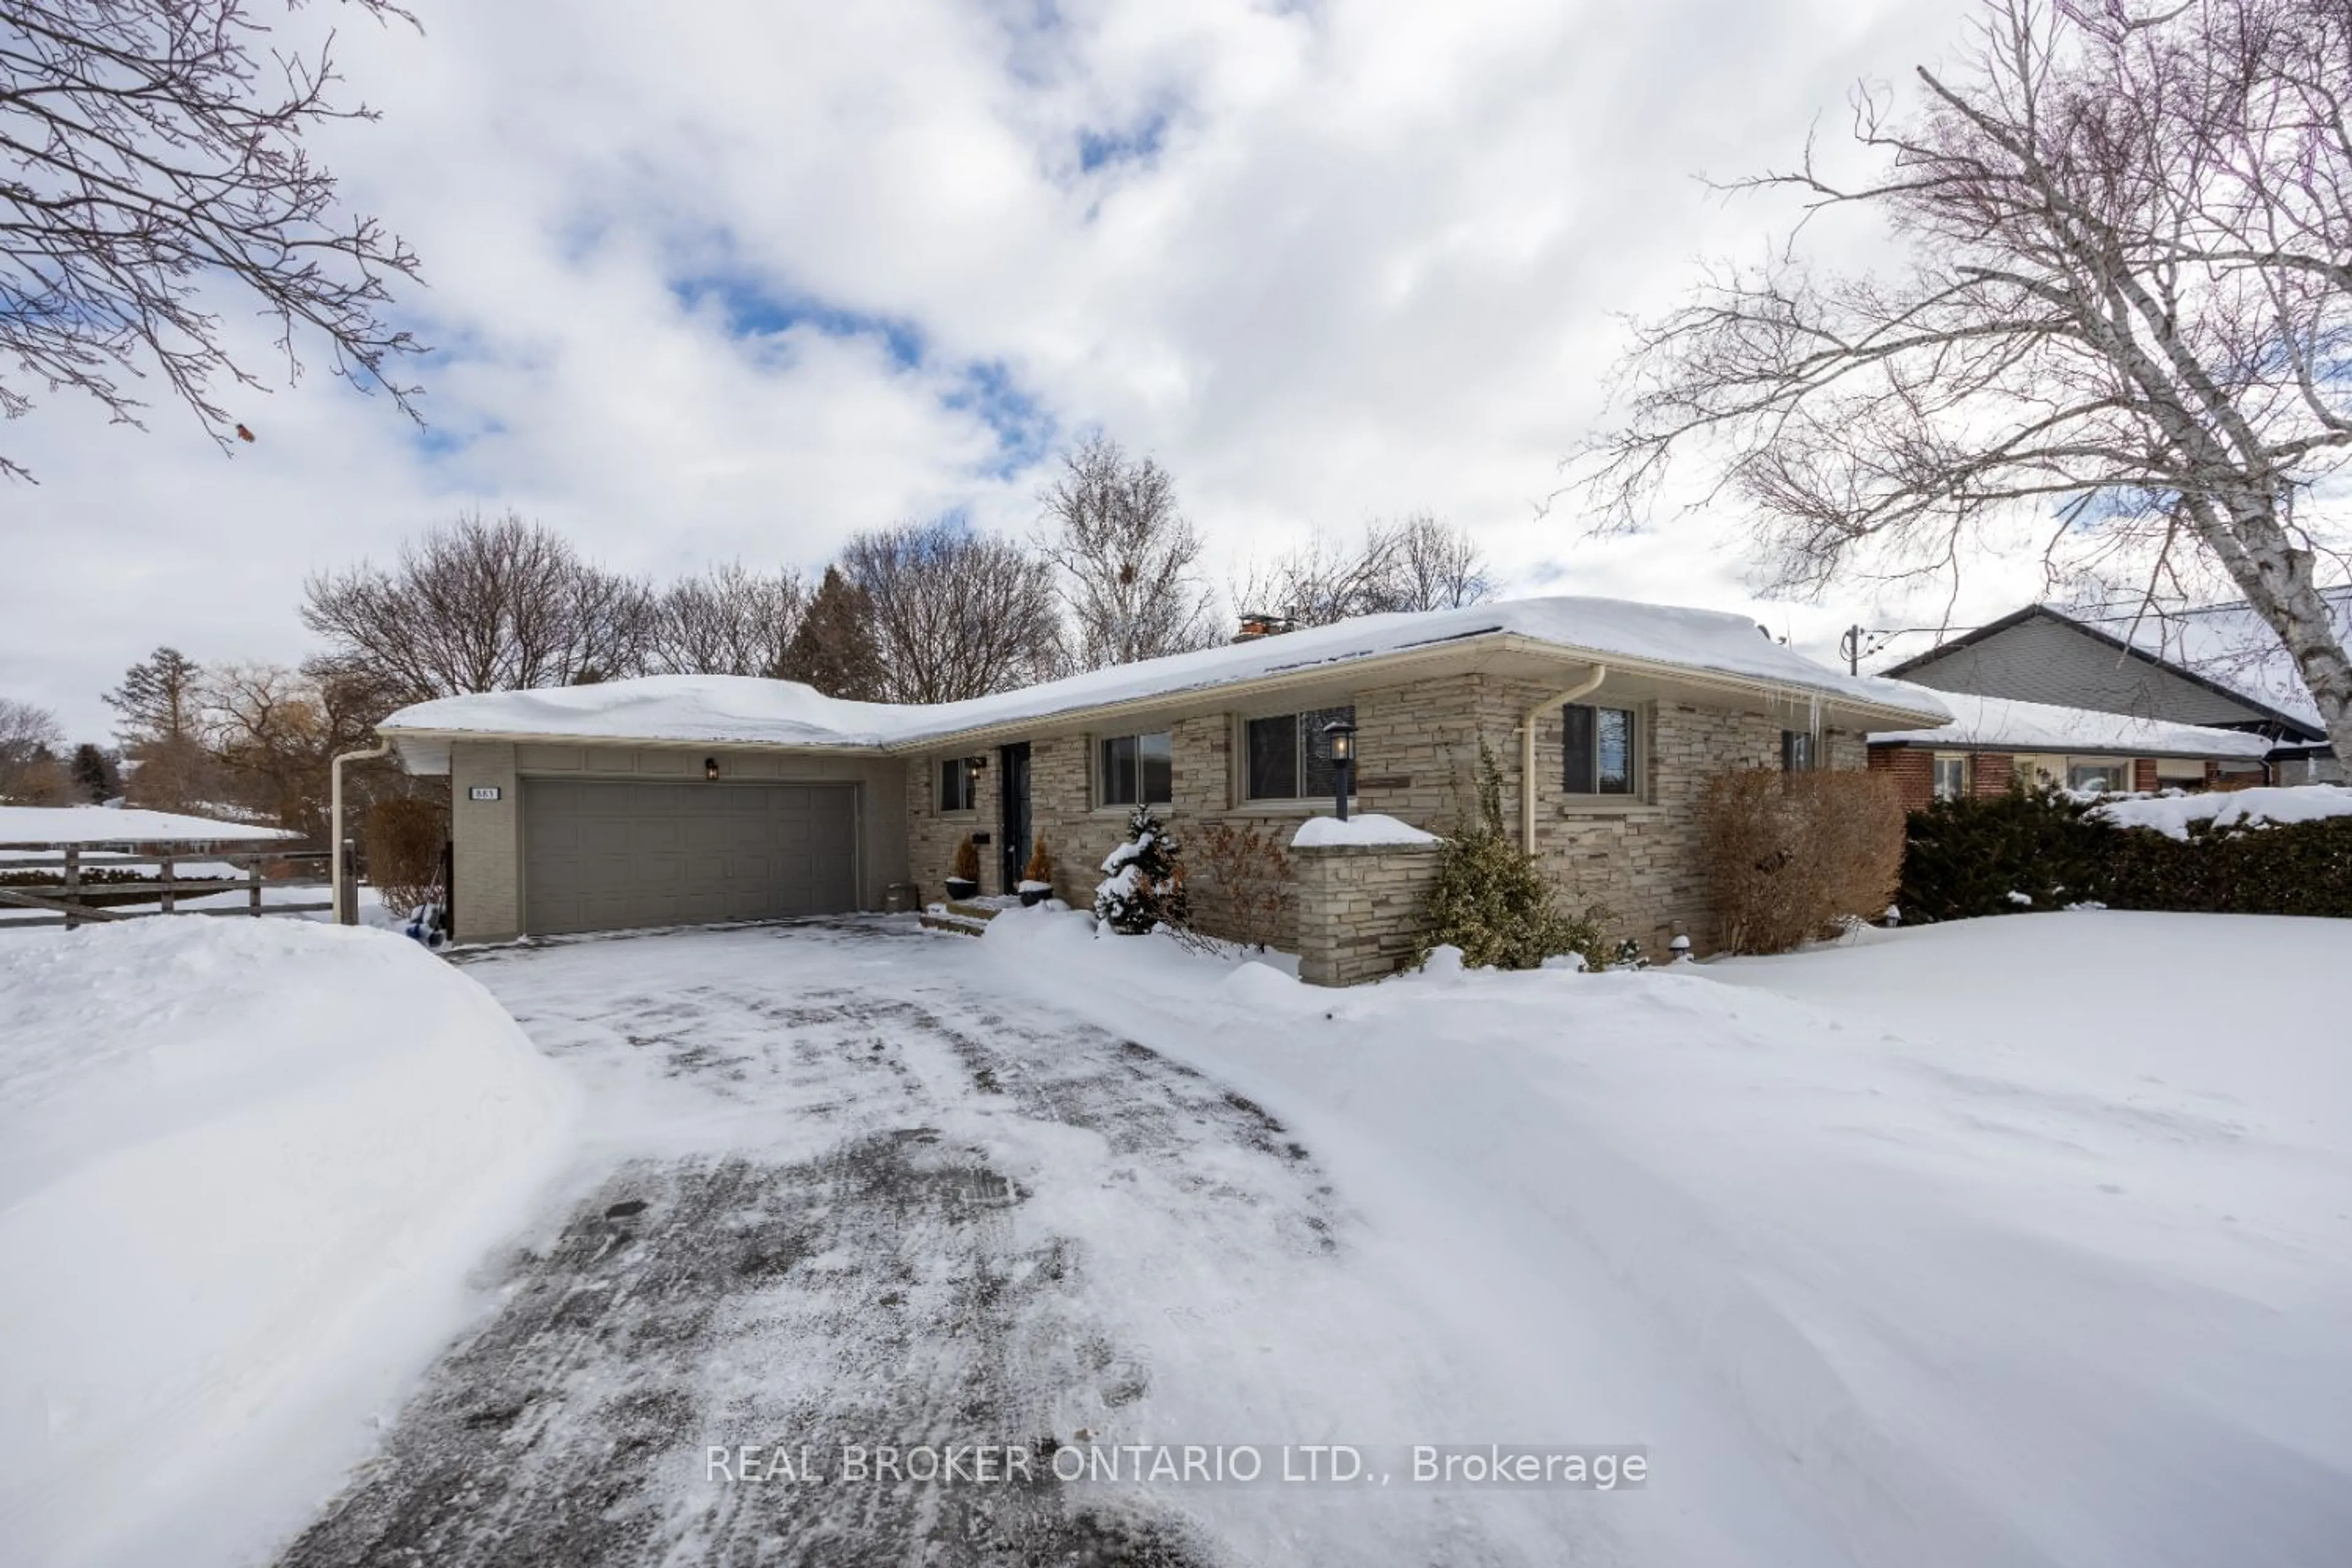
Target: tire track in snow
x=877, y=1293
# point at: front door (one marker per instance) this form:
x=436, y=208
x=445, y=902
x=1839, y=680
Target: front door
x=1012, y=764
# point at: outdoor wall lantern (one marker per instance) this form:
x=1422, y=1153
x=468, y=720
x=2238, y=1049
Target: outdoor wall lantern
x=979, y=763
x=710, y=768
x=1343, y=762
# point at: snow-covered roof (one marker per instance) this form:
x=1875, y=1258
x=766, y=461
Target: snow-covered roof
x=2228, y=645
x=746, y=710
x=26, y=826
x=2008, y=725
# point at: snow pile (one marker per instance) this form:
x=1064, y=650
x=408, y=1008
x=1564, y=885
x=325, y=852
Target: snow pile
x=2002, y=721
x=723, y=708
x=244, y=1169
x=2172, y=813
x=27, y=825
x=1317, y=831
x=1955, y=1246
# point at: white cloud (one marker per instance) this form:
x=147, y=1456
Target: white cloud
x=1327, y=262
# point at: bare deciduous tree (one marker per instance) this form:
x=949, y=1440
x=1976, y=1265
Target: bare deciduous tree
x=1127, y=559
x=956, y=614
x=272, y=732
x=730, y=621
x=30, y=774
x=146, y=158
x=2127, y=304
x=483, y=606
x=1417, y=564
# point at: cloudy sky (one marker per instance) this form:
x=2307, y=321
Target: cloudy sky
x=736, y=278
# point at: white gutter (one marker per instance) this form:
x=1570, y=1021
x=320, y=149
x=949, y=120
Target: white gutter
x=345, y=916
x=1528, y=751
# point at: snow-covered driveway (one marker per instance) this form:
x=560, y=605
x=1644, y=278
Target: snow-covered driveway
x=840, y=1191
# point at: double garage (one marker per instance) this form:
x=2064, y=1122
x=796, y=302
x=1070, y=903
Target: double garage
x=611, y=855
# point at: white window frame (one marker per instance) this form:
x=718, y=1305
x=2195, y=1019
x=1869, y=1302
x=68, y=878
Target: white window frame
x=1934, y=775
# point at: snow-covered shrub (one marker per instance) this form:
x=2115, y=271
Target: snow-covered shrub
x=1991, y=856
x=1143, y=879
x=1791, y=857
x=1493, y=902
x=2003, y=853
x=404, y=838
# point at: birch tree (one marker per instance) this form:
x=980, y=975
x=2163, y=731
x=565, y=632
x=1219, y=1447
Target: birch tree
x=2121, y=303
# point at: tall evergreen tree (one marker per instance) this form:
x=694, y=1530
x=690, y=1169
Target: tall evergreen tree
x=92, y=778
x=835, y=648
x=161, y=703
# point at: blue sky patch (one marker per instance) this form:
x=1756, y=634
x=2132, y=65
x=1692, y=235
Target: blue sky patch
x=751, y=310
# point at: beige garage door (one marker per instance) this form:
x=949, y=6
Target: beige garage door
x=610, y=856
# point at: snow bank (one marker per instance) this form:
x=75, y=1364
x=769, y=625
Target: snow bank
x=2046, y=727
x=720, y=708
x=111, y=825
x=244, y=1169
x=1371, y=828
x=1955, y=1246
x=2172, y=813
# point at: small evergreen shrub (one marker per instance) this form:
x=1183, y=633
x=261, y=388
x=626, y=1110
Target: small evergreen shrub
x=965, y=866
x=404, y=837
x=1493, y=902
x=1143, y=879
x=1041, y=864
x=1794, y=858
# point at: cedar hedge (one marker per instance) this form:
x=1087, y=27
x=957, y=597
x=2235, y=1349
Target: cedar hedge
x=2039, y=850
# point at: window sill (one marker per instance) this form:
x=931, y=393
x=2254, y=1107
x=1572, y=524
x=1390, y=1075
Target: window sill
x=1597, y=805
x=1315, y=805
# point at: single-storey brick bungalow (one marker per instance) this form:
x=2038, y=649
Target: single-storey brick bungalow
x=1994, y=741
x=676, y=799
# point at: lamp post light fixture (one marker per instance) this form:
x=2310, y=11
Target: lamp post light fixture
x=1342, y=736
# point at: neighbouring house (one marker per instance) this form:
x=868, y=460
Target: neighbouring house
x=2214, y=666
x=1993, y=743
x=677, y=799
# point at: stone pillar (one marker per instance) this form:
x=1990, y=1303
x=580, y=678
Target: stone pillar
x=1359, y=908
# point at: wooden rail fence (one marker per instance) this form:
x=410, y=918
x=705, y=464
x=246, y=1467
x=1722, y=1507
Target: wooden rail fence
x=73, y=897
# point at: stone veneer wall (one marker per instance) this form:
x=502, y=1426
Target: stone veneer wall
x=1359, y=908
x=1418, y=744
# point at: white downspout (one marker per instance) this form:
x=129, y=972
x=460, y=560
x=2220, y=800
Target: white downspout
x=343, y=916
x=1528, y=751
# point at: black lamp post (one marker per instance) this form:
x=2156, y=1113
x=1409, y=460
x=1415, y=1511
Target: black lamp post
x=1343, y=761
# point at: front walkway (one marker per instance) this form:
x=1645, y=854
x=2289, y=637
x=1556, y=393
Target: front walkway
x=837, y=1194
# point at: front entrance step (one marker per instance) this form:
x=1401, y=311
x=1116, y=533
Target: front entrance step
x=965, y=917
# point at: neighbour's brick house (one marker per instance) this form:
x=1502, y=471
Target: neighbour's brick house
x=677, y=799
x=1994, y=744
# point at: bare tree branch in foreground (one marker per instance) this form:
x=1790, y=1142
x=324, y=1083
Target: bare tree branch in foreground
x=145, y=161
